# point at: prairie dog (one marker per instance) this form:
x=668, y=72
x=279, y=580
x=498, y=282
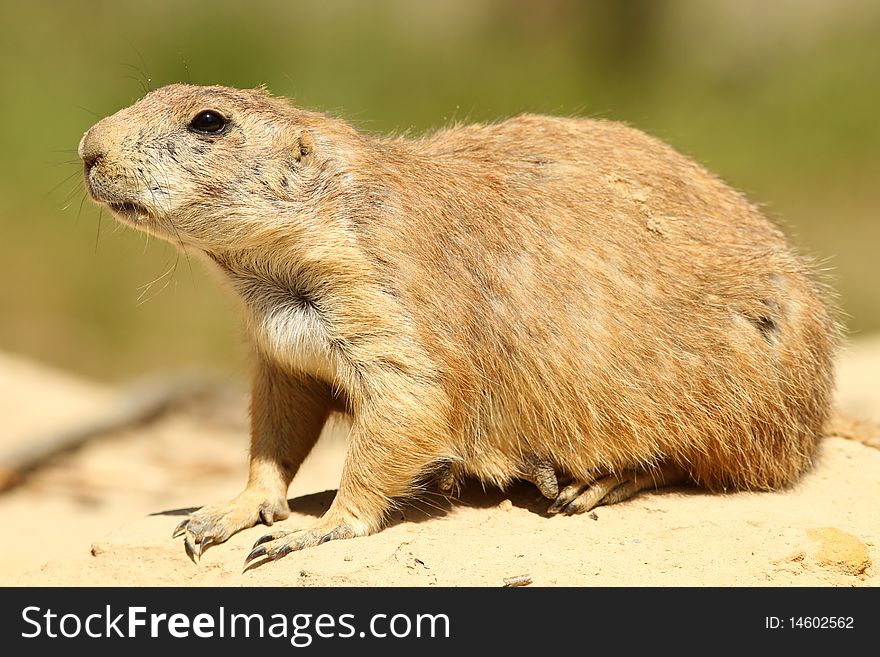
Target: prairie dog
x=538, y=298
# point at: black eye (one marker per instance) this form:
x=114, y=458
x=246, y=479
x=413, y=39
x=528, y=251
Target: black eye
x=208, y=122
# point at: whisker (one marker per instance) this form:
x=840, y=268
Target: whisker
x=98, y=233
x=81, y=202
x=146, y=68
x=138, y=80
x=67, y=204
x=142, y=76
x=86, y=109
x=185, y=252
x=148, y=236
x=66, y=179
x=168, y=275
x=174, y=228
x=185, y=68
x=72, y=193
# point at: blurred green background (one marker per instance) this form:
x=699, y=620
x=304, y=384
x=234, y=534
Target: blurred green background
x=780, y=98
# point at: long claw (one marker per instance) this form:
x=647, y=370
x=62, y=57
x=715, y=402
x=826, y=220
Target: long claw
x=206, y=543
x=256, y=553
x=285, y=550
x=180, y=529
x=190, y=550
x=266, y=538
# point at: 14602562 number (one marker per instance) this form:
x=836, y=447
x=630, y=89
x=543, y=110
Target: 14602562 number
x=822, y=622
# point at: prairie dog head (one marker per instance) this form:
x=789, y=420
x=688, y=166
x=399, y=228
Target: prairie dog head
x=205, y=166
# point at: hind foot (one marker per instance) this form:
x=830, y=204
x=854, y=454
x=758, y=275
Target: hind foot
x=580, y=496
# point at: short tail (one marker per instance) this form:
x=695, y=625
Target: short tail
x=866, y=432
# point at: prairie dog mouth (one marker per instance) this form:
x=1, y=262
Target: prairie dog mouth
x=127, y=209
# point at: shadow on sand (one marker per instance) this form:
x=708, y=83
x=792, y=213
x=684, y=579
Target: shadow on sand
x=426, y=506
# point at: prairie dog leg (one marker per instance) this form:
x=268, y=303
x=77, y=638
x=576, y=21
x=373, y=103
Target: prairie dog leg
x=541, y=473
x=287, y=414
x=388, y=452
x=581, y=496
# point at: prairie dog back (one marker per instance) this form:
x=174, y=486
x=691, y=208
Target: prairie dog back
x=613, y=288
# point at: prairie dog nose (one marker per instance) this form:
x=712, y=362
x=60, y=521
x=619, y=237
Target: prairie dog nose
x=89, y=149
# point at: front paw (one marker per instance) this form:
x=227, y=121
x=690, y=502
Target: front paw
x=215, y=523
x=275, y=545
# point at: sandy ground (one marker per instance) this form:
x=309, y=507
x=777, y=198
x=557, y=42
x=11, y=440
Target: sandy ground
x=103, y=514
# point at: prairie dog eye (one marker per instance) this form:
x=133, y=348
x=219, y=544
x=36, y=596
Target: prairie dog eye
x=208, y=122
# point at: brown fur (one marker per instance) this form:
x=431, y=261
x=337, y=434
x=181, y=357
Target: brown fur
x=541, y=290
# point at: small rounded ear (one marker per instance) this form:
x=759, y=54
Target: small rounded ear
x=303, y=147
